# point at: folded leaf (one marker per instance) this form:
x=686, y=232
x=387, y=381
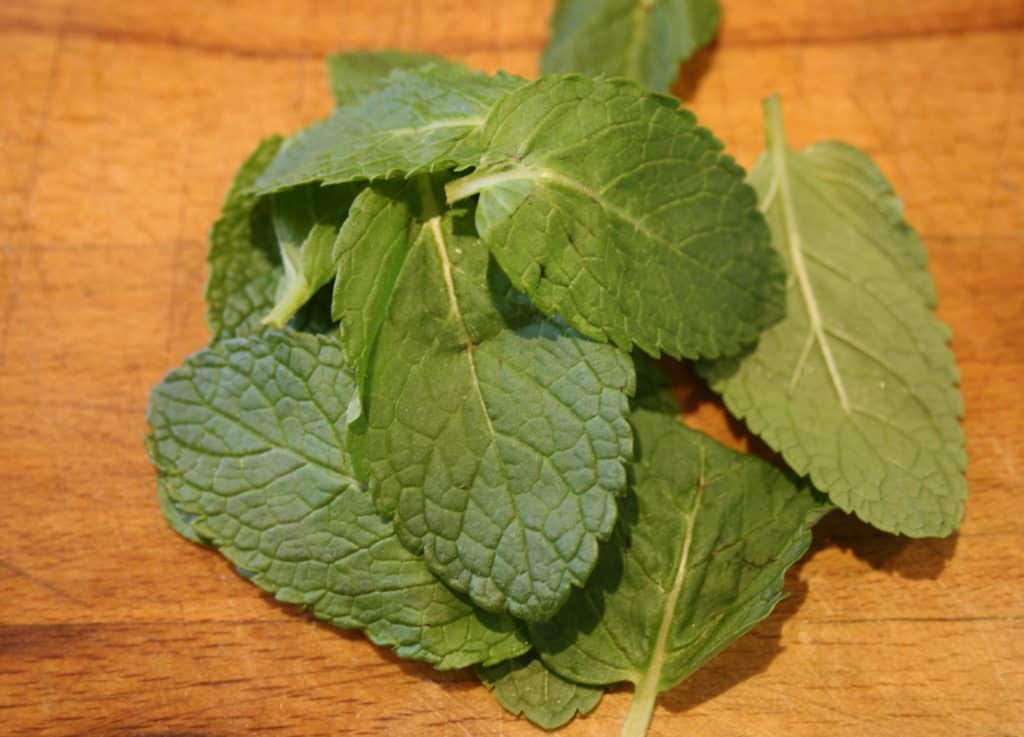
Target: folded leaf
x=247, y=438
x=423, y=120
x=857, y=387
x=525, y=686
x=609, y=206
x=243, y=258
x=644, y=40
x=496, y=437
x=698, y=557
x=179, y=521
x=353, y=75
x=306, y=222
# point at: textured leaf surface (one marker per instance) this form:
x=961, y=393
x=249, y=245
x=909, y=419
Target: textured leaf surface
x=609, y=206
x=525, y=686
x=179, y=521
x=246, y=438
x=356, y=74
x=244, y=261
x=495, y=436
x=644, y=40
x=698, y=557
x=857, y=387
x=424, y=120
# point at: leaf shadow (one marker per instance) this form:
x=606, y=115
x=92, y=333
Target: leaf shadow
x=692, y=72
x=910, y=558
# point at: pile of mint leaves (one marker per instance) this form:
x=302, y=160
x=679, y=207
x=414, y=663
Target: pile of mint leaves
x=430, y=407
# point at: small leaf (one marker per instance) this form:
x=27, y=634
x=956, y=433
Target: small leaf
x=644, y=40
x=354, y=75
x=857, y=387
x=496, y=437
x=243, y=258
x=698, y=558
x=306, y=222
x=424, y=120
x=246, y=437
x=609, y=206
x=526, y=687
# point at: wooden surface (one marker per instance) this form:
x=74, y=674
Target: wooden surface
x=120, y=126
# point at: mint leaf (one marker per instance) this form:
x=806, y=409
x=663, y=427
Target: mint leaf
x=422, y=121
x=609, y=206
x=306, y=222
x=243, y=258
x=698, y=558
x=356, y=74
x=526, y=687
x=644, y=40
x=246, y=439
x=857, y=387
x=496, y=437
x=179, y=521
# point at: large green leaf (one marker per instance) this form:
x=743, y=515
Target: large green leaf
x=247, y=439
x=354, y=75
x=424, y=120
x=496, y=437
x=644, y=40
x=857, y=387
x=608, y=205
x=698, y=558
x=243, y=258
x=525, y=686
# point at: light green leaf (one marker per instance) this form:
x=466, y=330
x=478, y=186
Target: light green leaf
x=608, y=205
x=697, y=559
x=246, y=437
x=306, y=222
x=496, y=437
x=644, y=40
x=354, y=75
x=526, y=687
x=424, y=120
x=857, y=387
x=243, y=258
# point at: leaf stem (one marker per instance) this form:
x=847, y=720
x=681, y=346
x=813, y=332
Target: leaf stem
x=478, y=181
x=291, y=300
x=641, y=709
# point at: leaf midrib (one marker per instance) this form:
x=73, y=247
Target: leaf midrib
x=782, y=185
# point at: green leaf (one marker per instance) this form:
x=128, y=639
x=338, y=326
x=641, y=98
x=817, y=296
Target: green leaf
x=857, y=387
x=526, y=687
x=644, y=40
x=424, y=120
x=179, y=521
x=243, y=258
x=496, y=437
x=698, y=557
x=306, y=222
x=246, y=437
x=609, y=206
x=354, y=75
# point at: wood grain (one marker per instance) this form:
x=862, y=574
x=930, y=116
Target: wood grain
x=121, y=126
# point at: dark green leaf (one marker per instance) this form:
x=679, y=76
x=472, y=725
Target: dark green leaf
x=496, y=437
x=609, y=206
x=247, y=439
x=698, y=558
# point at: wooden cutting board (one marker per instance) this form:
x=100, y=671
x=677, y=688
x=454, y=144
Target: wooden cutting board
x=121, y=125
